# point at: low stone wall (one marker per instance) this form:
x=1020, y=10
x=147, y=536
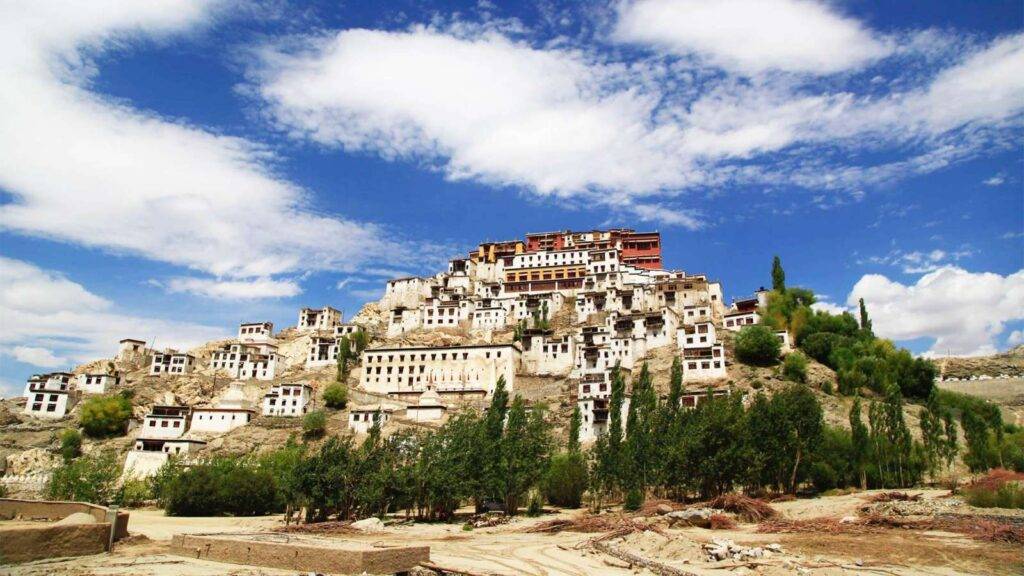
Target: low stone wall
x=12, y=508
x=28, y=543
x=353, y=558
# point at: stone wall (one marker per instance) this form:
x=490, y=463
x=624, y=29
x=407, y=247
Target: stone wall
x=12, y=508
x=30, y=543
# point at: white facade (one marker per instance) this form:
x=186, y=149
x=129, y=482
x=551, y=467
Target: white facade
x=546, y=354
x=290, y=400
x=246, y=361
x=49, y=395
x=164, y=423
x=96, y=383
x=736, y=321
x=361, y=419
x=784, y=341
x=171, y=362
x=312, y=319
x=256, y=332
x=449, y=370
x=429, y=408
x=233, y=411
x=149, y=455
x=594, y=417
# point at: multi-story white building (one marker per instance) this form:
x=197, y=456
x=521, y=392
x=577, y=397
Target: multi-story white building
x=287, y=400
x=362, y=418
x=544, y=353
x=745, y=312
x=97, y=383
x=594, y=416
x=171, y=362
x=454, y=370
x=256, y=332
x=312, y=319
x=161, y=436
x=246, y=361
x=232, y=411
x=703, y=357
x=428, y=408
x=49, y=395
x=165, y=422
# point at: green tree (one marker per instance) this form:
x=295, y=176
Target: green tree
x=523, y=446
x=803, y=422
x=566, y=480
x=641, y=422
x=794, y=367
x=574, y=429
x=932, y=433
x=757, y=345
x=865, y=322
x=344, y=357
x=70, y=444
x=860, y=443
x=86, y=479
x=105, y=416
x=314, y=424
x=778, y=275
x=336, y=395
x=615, y=427
x=675, y=386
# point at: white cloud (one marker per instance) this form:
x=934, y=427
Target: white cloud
x=753, y=36
x=45, y=317
x=235, y=289
x=1016, y=338
x=90, y=170
x=963, y=311
x=37, y=356
x=996, y=180
x=581, y=126
x=830, y=307
x=917, y=261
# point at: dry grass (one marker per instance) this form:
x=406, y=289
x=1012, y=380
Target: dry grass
x=721, y=522
x=612, y=525
x=894, y=496
x=745, y=508
x=983, y=530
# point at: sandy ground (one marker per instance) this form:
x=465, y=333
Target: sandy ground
x=508, y=549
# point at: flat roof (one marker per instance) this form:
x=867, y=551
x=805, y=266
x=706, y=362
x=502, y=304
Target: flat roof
x=458, y=347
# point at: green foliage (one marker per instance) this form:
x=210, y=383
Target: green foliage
x=524, y=444
x=938, y=435
x=897, y=461
x=757, y=345
x=865, y=322
x=1008, y=495
x=641, y=453
x=778, y=275
x=235, y=486
x=794, y=367
x=675, y=385
x=336, y=396
x=536, y=506
x=105, y=416
x=634, y=500
x=70, y=444
x=566, y=480
x=135, y=492
x=832, y=466
x=575, y=421
x=860, y=444
x=314, y=424
x=788, y=310
x=90, y=478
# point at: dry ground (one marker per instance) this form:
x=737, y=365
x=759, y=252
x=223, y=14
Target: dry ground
x=509, y=549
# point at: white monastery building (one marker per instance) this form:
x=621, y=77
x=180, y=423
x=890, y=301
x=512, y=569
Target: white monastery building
x=471, y=370
x=49, y=395
x=256, y=332
x=287, y=400
x=233, y=411
x=246, y=361
x=97, y=383
x=313, y=319
x=171, y=362
x=362, y=418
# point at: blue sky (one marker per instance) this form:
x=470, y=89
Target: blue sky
x=170, y=168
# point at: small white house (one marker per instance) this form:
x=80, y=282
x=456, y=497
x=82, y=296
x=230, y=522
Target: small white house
x=147, y=455
x=311, y=319
x=171, y=362
x=784, y=340
x=428, y=409
x=287, y=400
x=49, y=395
x=233, y=411
x=246, y=361
x=361, y=419
x=704, y=363
x=96, y=383
x=131, y=349
x=256, y=332
x=165, y=422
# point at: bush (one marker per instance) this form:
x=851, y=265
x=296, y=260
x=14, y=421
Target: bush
x=314, y=424
x=219, y=486
x=86, y=479
x=336, y=396
x=70, y=444
x=1009, y=495
x=757, y=345
x=536, y=506
x=105, y=416
x=135, y=492
x=566, y=480
x=823, y=477
x=634, y=500
x=795, y=367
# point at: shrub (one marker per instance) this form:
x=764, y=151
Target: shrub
x=795, y=367
x=314, y=424
x=566, y=480
x=536, y=506
x=823, y=477
x=219, y=486
x=105, y=416
x=70, y=444
x=86, y=479
x=634, y=500
x=1009, y=495
x=135, y=492
x=336, y=396
x=757, y=345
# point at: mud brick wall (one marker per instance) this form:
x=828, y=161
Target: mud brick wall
x=40, y=542
x=11, y=508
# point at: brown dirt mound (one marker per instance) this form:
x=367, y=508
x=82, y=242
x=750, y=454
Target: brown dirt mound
x=745, y=508
x=984, y=530
x=892, y=496
x=721, y=522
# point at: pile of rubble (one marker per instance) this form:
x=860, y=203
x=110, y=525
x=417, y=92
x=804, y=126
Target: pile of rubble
x=719, y=550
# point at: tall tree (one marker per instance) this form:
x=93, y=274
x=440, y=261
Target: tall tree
x=615, y=403
x=933, y=433
x=574, y=429
x=778, y=276
x=640, y=431
x=804, y=423
x=675, y=386
x=861, y=443
x=865, y=322
x=523, y=446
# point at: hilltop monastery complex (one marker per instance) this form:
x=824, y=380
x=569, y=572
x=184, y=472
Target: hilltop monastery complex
x=613, y=298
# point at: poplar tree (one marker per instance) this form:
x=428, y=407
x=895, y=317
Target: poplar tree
x=574, y=429
x=932, y=433
x=675, y=386
x=618, y=395
x=865, y=322
x=640, y=430
x=778, y=276
x=860, y=443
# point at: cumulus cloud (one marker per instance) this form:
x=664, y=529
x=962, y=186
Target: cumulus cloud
x=51, y=321
x=91, y=170
x=917, y=261
x=752, y=36
x=964, y=312
x=570, y=122
x=830, y=307
x=235, y=289
x=1016, y=338
x=37, y=356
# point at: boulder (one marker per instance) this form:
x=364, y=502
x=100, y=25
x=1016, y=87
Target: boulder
x=369, y=525
x=690, y=517
x=663, y=509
